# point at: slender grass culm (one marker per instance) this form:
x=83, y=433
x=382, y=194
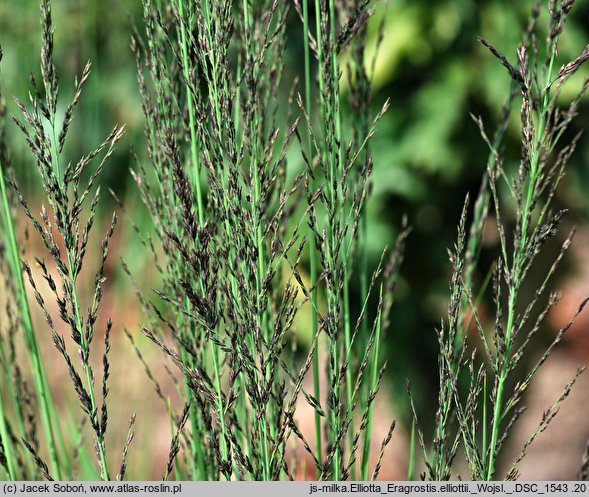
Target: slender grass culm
x=480, y=397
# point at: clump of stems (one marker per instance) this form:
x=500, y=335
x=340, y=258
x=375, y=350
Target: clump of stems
x=232, y=278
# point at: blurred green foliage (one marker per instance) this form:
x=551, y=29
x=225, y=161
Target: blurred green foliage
x=427, y=151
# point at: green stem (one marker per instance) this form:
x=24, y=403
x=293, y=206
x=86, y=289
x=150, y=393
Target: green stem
x=485, y=436
x=411, y=469
x=348, y=346
x=196, y=447
x=519, y=256
x=498, y=405
x=312, y=244
x=191, y=117
x=373, y=382
x=336, y=175
x=71, y=257
x=335, y=412
x=89, y=380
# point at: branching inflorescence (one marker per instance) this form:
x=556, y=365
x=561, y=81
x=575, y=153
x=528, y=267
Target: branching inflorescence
x=65, y=232
x=481, y=413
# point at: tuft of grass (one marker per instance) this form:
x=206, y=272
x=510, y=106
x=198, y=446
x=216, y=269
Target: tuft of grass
x=243, y=240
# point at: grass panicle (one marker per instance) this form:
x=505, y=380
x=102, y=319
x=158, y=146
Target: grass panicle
x=65, y=234
x=214, y=116
x=480, y=413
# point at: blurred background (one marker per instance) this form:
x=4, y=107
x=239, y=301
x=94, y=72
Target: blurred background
x=428, y=155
